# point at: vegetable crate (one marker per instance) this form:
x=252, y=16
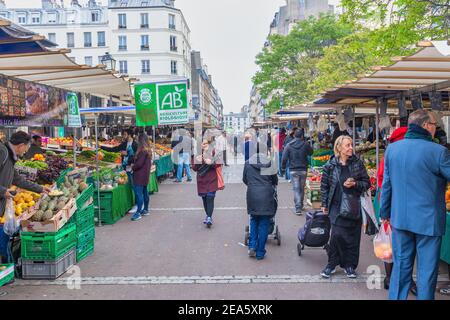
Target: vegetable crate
x=85, y=250
x=6, y=273
x=85, y=243
x=47, y=246
x=108, y=215
x=62, y=176
x=84, y=219
x=85, y=197
x=48, y=269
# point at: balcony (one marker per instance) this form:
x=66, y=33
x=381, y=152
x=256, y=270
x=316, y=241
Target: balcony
x=172, y=26
x=88, y=44
x=174, y=49
x=101, y=44
x=122, y=48
x=145, y=47
x=122, y=26
x=144, y=26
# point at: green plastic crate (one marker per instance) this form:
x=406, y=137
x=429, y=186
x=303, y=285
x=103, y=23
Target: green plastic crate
x=48, y=245
x=107, y=216
x=85, y=236
x=85, y=250
x=7, y=277
x=84, y=218
x=84, y=197
x=62, y=176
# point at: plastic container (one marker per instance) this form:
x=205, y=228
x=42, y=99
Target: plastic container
x=85, y=250
x=6, y=273
x=84, y=219
x=48, y=269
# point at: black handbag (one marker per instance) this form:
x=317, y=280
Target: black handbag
x=350, y=205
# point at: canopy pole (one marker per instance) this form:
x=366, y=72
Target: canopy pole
x=354, y=128
x=74, y=148
x=377, y=138
x=98, y=173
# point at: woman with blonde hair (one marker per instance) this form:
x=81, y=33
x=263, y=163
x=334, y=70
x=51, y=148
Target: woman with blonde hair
x=344, y=180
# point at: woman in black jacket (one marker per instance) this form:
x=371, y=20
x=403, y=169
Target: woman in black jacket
x=261, y=181
x=344, y=180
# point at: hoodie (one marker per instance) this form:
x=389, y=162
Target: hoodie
x=296, y=152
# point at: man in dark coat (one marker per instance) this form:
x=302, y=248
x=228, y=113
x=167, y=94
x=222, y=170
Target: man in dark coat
x=262, y=203
x=296, y=153
x=10, y=152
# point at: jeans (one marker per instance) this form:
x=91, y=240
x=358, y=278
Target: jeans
x=280, y=156
x=288, y=172
x=208, y=203
x=142, y=198
x=259, y=231
x=4, y=239
x=183, y=162
x=298, y=180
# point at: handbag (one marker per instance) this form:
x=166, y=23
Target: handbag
x=350, y=205
x=204, y=169
x=220, y=181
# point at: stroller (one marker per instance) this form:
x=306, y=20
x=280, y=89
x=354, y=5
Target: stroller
x=315, y=233
x=274, y=233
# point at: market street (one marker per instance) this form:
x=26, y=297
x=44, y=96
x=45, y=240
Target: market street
x=171, y=255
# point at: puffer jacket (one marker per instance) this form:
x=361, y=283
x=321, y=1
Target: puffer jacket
x=9, y=176
x=261, y=181
x=330, y=178
x=297, y=152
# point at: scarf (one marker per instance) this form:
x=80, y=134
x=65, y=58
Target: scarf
x=417, y=132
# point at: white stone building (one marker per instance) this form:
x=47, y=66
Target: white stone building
x=149, y=39
x=237, y=122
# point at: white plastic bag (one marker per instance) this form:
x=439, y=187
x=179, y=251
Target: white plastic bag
x=382, y=243
x=11, y=225
x=385, y=123
x=322, y=124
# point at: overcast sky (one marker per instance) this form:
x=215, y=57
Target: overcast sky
x=229, y=35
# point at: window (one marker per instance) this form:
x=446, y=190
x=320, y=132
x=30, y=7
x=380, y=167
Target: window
x=52, y=37
x=123, y=67
x=124, y=3
x=145, y=43
x=95, y=16
x=171, y=21
x=52, y=17
x=122, y=21
x=145, y=66
x=173, y=67
x=87, y=39
x=36, y=18
x=70, y=40
x=101, y=39
x=144, y=20
x=122, y=43
x=88, y=61
x=173, y=43
x=71, y=17
x=22, y=19
x=144, y=3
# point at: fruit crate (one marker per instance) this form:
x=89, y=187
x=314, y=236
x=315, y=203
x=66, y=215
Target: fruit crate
x=84, y=219
x=48, y=269
x=85, y=197
x=85, y=250
x=85, y=236
x=6, y=273
x=107, y=216
x=48, y=245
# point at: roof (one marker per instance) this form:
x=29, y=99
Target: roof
x=140, y=3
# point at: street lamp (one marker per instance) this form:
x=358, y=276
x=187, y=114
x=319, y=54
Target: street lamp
x=109, y=62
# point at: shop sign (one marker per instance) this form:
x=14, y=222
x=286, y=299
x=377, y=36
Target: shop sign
x=74, y=118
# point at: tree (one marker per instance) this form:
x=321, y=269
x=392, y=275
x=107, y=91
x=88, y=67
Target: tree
x=288, y=66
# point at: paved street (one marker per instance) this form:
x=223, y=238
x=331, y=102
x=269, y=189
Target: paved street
x=171, y=255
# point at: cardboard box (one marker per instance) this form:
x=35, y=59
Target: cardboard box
x=54, y=224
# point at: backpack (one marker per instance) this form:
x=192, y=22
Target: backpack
x=316, y=231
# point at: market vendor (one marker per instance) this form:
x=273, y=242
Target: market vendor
x=35, y=148
x=127, y=148
x=17, y=146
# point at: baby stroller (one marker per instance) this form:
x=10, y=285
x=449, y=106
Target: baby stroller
x=315, y=233
x=274, y=233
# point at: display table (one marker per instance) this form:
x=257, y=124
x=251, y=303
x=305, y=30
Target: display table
x=153, y=184
x=114, y=203
x=445, y=248
x=164, y=165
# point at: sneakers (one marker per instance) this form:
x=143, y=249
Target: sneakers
x=189, y=180
x=133, y=210
x=145, y=213
x=178, y=181
x=327, y=272
x=299, y=212
x=205, y=221
x=350, y=272
x=137, y=216
x=252, y=253
x=209, y=222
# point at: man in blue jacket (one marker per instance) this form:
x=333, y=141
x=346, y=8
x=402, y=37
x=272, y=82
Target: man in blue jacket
x=413, y=201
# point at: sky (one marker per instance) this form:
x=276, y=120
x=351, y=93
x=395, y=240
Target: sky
x=229, y=34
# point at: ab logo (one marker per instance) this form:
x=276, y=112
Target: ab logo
x=173, y=100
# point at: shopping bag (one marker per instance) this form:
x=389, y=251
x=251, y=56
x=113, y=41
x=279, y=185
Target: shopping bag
x=382, y=243
x=368, y=214
x=11, y=225
x=220, y=181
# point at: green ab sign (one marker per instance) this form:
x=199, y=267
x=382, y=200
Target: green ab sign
x=74, y=119
x=161, y=103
